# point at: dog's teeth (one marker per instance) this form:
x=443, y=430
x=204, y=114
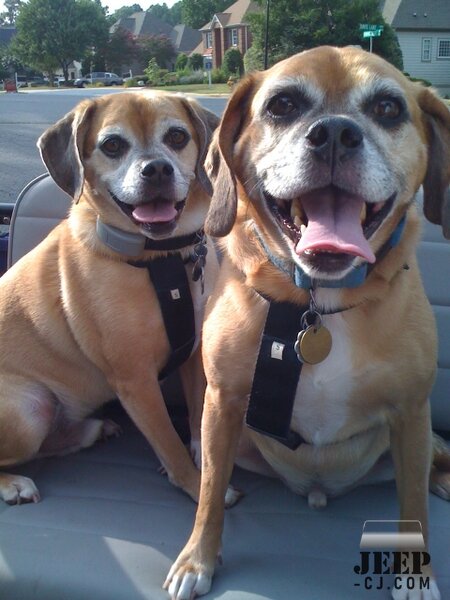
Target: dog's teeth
x=302, y=228
x=363, y=213
x=296, y=211
x=297, y=222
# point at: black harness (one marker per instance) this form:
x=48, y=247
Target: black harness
x=168, y=276
x=276, y=376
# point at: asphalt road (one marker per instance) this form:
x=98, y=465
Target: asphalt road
x=25, y=115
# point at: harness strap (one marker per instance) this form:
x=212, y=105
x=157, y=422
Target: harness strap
x=168, y=275
x=276, y=376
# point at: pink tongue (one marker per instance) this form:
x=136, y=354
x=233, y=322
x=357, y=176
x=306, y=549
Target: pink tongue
x=334, y=225
x=155, y=212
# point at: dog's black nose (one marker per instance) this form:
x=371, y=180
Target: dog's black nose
x=334, y=138
x=158, y=171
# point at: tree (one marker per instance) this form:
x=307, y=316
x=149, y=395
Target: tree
x=253, y=60
x=123, y=13
x=181, y=62
x=160, y=11
x=232, y=63
x=297, y=25
x=121, y=48
x=196, y=13
x=158, y=47
x=152, y=72
x=12, y=10
x=175, y=13
x=53, y=33
x=195, y=62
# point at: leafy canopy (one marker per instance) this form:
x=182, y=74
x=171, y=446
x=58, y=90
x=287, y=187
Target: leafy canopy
x=53, y=33
x=296, y=25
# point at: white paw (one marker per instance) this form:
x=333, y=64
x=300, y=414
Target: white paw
x=411, y=588
x=196, y=453
x=110, y=429
x=15, y=489
x=185, y=582
x=317, y=499
x=189, y=586
x=232, y=496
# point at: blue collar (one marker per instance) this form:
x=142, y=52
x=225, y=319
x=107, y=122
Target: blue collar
x=354, y=278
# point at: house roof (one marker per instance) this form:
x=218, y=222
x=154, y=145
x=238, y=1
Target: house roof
x=185, y=39
x=422, y=15
x=6, y=34
x=234, y=14
x=143, y=23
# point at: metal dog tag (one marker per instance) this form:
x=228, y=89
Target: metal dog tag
x=314, y=344
x=314, y=341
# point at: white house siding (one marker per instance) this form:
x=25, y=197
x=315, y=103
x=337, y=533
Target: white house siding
x=436, y=70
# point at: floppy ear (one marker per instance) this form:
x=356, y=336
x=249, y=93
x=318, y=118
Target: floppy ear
x=437, y=179
x=205, y=122
x=219, y=162
x=61, y=149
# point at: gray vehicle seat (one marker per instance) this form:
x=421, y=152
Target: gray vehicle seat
x=109, y=525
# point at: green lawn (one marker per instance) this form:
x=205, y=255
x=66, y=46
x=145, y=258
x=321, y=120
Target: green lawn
x=198, y=88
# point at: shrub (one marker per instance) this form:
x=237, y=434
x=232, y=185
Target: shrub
x=181, y=62
x=195, y=77
x=253, y=60
x=424, y=82
x=232, y=63
x=195, y=62
x=218, y=76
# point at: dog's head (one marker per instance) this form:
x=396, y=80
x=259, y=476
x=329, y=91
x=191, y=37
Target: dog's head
x=137, y=158
x=325, y=152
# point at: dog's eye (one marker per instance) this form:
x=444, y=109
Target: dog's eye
x=387, y=109
x=113, y=146
x=176, y=138
x=281, y=106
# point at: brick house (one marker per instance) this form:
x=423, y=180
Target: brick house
x=228, y=29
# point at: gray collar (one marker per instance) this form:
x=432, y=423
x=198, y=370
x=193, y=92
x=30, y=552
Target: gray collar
x=133, y=244
x=130, y=244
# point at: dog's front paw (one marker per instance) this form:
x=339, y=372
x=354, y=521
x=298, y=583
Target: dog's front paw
x=110, y=429
x=16, y=489
x=188, y=578
x=424, y=588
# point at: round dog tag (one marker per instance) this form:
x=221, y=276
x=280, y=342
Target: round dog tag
x=314, y=344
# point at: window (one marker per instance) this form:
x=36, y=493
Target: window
x=443, y=49
x=209, y=39
x=234, y=37
x=426, y=49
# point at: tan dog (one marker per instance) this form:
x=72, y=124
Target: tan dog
x=78, y=323
x=314, y=166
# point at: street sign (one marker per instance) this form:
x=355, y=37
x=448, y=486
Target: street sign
x=371, y=34
x=367, y=27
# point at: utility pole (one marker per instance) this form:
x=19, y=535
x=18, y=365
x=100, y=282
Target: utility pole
x=266, y=37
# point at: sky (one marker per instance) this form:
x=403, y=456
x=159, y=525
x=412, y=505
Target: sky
x=113, y=5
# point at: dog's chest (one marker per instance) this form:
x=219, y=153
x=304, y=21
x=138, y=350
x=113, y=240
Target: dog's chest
x=321, y=401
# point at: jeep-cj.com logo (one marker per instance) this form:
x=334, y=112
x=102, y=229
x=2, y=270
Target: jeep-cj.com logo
x=392, y=548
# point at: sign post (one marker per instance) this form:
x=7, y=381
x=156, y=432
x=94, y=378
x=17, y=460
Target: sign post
x=371, y=31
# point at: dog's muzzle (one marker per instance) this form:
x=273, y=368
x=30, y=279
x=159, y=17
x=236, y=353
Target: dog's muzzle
x=329, y=227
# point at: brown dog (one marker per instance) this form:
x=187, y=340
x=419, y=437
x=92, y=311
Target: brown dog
x=315, y=167
x=79, y=324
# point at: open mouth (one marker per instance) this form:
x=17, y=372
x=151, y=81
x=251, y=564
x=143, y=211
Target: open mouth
x=329, y=226
x=157, y=217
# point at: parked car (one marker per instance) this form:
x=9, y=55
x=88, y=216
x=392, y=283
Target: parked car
x=99, y=77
